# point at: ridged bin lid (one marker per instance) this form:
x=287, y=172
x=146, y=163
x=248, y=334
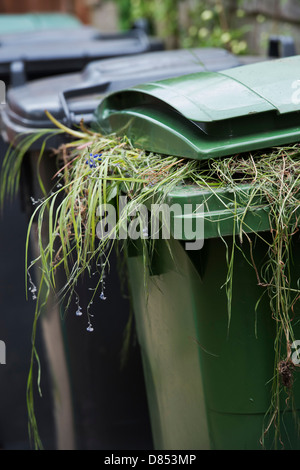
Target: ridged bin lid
x=28, y=22
x=72, y=97
x=210, y=114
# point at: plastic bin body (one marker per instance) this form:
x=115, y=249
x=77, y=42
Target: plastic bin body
x=21, y=60
x=167, y=334
x=16, y=312
x=209, y=380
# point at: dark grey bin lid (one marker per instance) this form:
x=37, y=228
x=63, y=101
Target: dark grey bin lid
x=44, y=54
x=49, y=35
x=72, y=97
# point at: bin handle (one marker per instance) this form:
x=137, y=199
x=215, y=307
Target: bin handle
x=142, y=36
x=17, y=73
x=70, y=117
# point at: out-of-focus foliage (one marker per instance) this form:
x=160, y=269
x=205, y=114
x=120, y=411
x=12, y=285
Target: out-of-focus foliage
x=210, y=23
x=196, y=23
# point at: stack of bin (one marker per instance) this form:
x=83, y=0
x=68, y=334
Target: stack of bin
x=109, y=406
x=209, y=382
x=35, y=46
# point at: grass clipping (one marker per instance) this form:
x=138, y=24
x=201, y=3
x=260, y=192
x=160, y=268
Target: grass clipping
x=95, y=170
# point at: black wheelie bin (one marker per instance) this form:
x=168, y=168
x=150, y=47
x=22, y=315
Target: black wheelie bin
x=45, y=45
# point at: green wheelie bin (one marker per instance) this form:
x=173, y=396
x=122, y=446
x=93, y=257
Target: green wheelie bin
x=117, y=414
x=209, y=379
x=29, y=22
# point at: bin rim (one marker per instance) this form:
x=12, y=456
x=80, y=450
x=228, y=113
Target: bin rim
x=224, y=210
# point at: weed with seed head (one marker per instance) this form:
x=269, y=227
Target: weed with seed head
x=96, y=170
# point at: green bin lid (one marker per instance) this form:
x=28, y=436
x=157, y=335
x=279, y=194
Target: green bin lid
x=210, y=114
x=222, y=211
x=28, y=22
